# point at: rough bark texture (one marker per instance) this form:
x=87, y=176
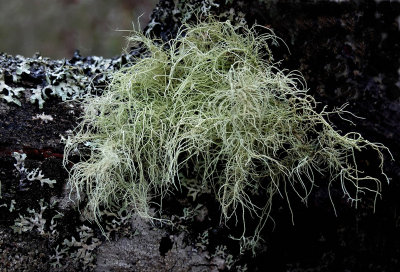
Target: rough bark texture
x=348, y=52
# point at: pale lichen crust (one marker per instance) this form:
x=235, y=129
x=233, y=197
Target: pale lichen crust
x=37, y=79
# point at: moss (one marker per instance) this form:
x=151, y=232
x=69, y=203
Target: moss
x=211, y=105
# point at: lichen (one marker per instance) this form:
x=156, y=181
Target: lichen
x=35, y=221
x=12, y=93
x=43, y=117
x=211, y=105
x=63, y=79
x=82, y=249
x=26, y=175
x=168, y=16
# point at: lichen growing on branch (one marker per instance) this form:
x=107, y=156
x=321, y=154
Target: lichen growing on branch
x=211, y=103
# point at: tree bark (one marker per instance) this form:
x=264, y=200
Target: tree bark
x=347, y=51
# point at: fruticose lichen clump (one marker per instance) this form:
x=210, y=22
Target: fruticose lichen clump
x=210, y=105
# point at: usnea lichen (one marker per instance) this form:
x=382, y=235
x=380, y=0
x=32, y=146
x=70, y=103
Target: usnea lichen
x=211, y=106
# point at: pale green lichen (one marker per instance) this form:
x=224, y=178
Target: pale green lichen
x=33, y=175
x=12, y=93
x=39, y=96
x=82, y=249
x=43, y=117
x=35, y=221
x=171, y=17
x=212, y=107
x=12, y=205
x=60, y=78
